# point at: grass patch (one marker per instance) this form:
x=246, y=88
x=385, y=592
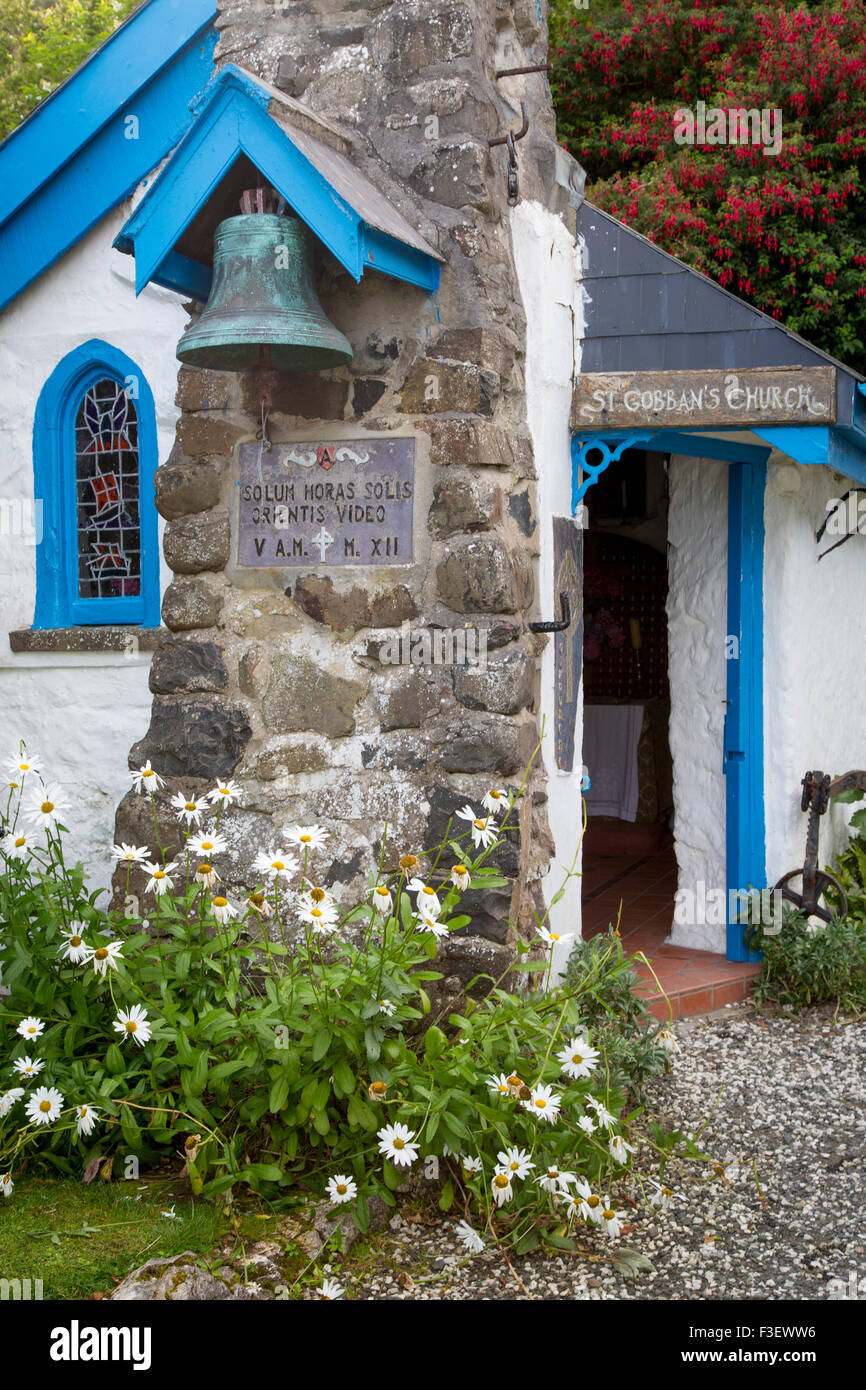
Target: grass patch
x=80, y=1240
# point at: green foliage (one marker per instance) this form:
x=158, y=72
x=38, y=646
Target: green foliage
x=277, y=1045
x=614, y=1013
x=40, y=46
x=783, y=231
x=813, y=964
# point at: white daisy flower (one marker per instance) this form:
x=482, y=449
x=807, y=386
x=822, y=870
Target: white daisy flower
x=544, y=1104
x=208, y=845
x=496, y=801
x=461, y=877
x=47, y=804
x=85, y=1118
x=619, y=1149
x=396, y=1143
x=382, y=900
x=74, y=948
x=387, y=1007
x=16, y=845
x=316, y=897
x=6, y=1184
x=19, y=766
x=586, y=1124
x=555, y=1179
x=661, y=1198
x=309, y=837
x=130, y=854
x=145, y=779
x=426, y=921
x=224, y=793
x=469, y=1238
x=207, y=874
x=516, y=1162
x=275, y=866
x=189, y=809
x=105, y=957
x=30, y=1028
x=133, y=1024
x=8, y=1099
x=160, y=880
x=553, y=938
x=331, y=1290
x=44, y=1106
x=27, y=1066
x=470, y=1166
x=321, y=918
x=610, y=1219
x=666, y=1039
x=426, y=899
x=483, y=827
x=577, y=1058
x=500, y=1185
x=342, y=1189
x=590, y=1203
x=222, y=909
x=602, y=1114
x=498, y=1084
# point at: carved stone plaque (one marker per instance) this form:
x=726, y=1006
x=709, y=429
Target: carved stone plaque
x=343, y=502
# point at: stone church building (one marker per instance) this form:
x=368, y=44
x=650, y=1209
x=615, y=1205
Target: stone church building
x=323, y=574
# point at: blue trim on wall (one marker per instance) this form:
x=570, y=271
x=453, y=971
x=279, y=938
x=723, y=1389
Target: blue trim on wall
x=101, y=175
x=108, y=82
x=745, y=828
x=184, y=276
x=233, y=120
x=57, y=601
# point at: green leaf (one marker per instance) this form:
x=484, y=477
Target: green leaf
x=322, y=1122
x=279, y=1094
x=321, y=1043
x=559, y=1242
x=528, y=1241
x=114, y=1060
x=344, y=1077
x=446, y=1201
x=392, y=1177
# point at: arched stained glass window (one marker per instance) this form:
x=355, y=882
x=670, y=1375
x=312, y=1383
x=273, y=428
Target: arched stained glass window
x=107, y=493
x=94, y=450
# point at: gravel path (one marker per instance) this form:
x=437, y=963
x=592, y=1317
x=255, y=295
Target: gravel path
x=793, y=1109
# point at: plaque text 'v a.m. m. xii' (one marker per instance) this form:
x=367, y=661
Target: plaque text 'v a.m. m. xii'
x=347, y=502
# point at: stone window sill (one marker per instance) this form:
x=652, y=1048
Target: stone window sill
x=86, y=639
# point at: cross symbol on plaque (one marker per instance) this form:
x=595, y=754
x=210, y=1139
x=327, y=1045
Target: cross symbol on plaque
x=322, y=541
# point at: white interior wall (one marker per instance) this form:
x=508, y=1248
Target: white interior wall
x=697, y=599
x=548, y=271
x=81, y=713
x=815, y=659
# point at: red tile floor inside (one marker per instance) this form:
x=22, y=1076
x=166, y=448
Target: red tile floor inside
x=694, y=981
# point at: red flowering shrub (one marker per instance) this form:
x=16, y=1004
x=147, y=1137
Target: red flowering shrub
x=787, y=231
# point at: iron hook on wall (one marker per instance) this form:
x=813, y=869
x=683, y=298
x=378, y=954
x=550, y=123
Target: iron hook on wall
x=562, y=624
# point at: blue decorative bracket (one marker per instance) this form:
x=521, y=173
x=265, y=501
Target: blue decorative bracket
x=611, y=445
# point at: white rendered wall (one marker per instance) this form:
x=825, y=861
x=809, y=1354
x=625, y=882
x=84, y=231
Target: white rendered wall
x=548, y=271
x=697, y=606
x=81, y=713
x=815, y=659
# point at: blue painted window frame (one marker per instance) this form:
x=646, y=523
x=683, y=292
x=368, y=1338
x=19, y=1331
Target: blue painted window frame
x=57, y=602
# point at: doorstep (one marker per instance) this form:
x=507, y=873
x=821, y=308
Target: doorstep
x=686, y=983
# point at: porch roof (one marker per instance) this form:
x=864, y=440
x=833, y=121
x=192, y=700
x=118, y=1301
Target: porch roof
x=647, y=311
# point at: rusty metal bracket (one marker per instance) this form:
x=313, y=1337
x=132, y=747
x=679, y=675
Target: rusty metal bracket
x=513, y=134
x=818, y=788
x=556, y=626
x=518, y=72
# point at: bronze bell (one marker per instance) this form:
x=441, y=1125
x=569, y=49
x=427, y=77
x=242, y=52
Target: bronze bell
x=263, y=310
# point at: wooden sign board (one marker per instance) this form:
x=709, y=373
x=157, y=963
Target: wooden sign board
x=341, y=502
x=705, y=399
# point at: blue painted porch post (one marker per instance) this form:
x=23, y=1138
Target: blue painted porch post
x=744, y=726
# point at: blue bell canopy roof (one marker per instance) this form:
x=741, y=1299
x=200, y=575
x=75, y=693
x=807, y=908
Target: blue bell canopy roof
x=246, y=133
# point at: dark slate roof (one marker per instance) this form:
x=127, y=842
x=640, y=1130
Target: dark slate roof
x=644, y=310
